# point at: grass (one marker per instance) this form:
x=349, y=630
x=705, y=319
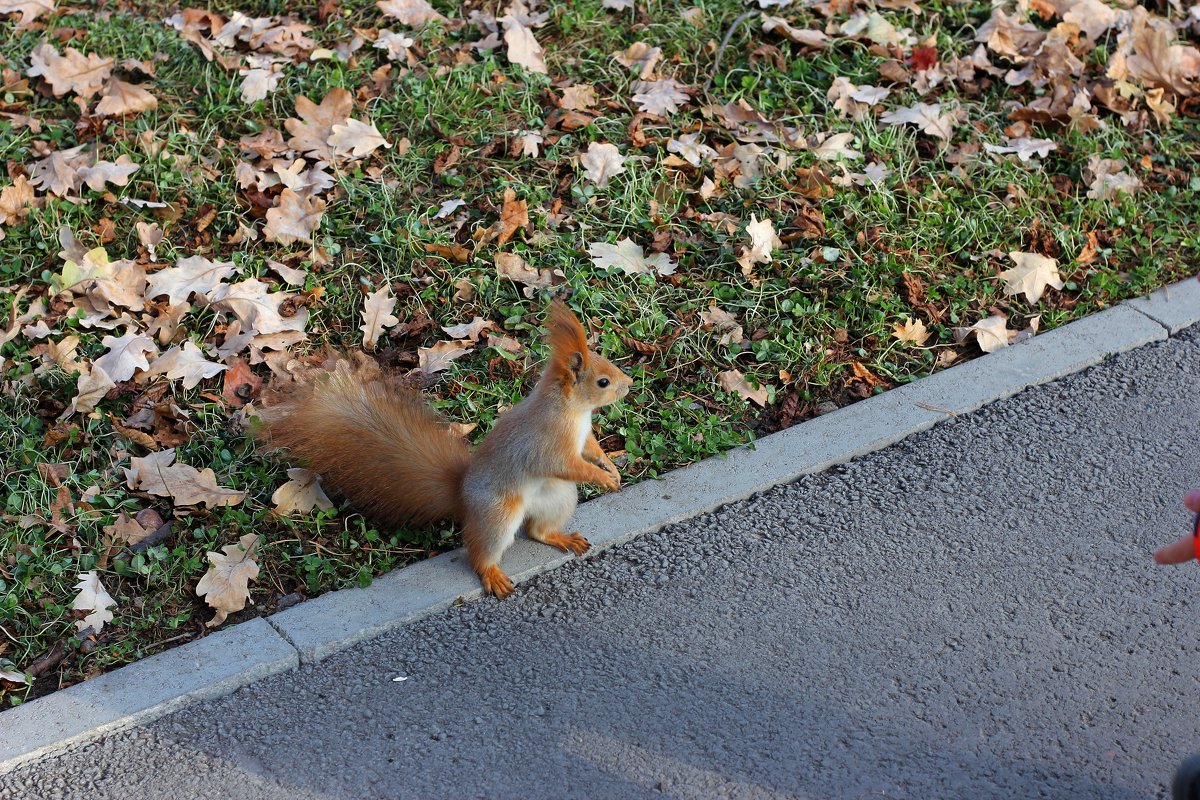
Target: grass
x=826, y=303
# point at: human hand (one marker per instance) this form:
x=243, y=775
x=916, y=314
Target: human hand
x=1184, y=549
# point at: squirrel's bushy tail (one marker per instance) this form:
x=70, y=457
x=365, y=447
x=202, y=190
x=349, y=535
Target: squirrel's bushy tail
x=380, y=447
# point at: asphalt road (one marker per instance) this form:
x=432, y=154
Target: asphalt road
x=973, y=612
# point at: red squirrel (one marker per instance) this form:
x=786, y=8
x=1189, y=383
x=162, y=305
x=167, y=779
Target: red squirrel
x=396, y=460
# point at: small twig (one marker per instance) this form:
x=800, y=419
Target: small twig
x=725, y=43
x=55, y=654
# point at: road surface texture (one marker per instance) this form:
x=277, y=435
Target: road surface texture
x=973, y=612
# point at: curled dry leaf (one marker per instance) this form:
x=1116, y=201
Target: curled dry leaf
x=122, y=98
x=226, y=585
x=601, y=162
x=514, y=215
x=661, y=97
x=15, y=202
x=763, y=241
x=928, y=117
x=1024, y=147
x=912, y=331
x=89, y=390
x=377, y=315
x=471, y=331
x=992, y=333
x=410, y=12
x=628, y=257
x=74, y=72
x=438, y=358
x=523, y=48
x=186, y=363
x=126, y=531
x=354, y=139
x=1031, y=275
x=724, y=323
x=157, y=474
x=732, y=380
x=513, y=267
x=691, y=148
x=94, y=598
x=126, y=355
x=29, y=10
x=301, y=494
x=191, y=275
x=294, y=219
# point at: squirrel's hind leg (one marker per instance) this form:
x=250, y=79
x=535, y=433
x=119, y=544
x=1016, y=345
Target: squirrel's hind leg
x=487, y=533
x=548, y=511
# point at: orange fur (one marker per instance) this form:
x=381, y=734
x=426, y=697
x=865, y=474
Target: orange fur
x=566, y=337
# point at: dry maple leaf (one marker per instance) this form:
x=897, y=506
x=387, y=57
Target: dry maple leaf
x=992, y=333
x=74, y=72
x=661, y=97
x=514, y=215
x=355, y=139
x=471, y=331
x=29, y=10
x=186, y=486
x=1024, y=147
x=579, y=97
x=58, y=173
x=1031, y=275
x=302, y=493
x=126, y=355
x=691, y=148
x=121, y=98
x=911, y=330
x=226, y=585
x=191, y=275
x=89, y=390
x=928, y=117
x=438, y=358
x=294, y=219
x=310, y=133
x=1109, y=178
x=628, y=257
x=377, y=315
x=186, y=363
x=732, y=380
x=104, y=172
x=523, y=48
x=410, y=12
x=763, y=241
x=601, y=162
x=724, y=323
x=94, y=598
x=15, y=200
x=513, y=267
x=256, y=307
x=126, y=531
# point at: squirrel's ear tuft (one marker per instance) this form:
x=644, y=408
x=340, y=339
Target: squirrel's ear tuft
x=568, y=342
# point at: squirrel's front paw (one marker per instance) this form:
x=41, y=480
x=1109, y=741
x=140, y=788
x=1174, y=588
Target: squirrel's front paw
x=612, y=479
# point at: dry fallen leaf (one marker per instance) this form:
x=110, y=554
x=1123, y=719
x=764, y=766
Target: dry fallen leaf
x=732, y=380
x=74, y=72
x=724, y=323
x=126, y=531
x=579, y=97
x=601, y=162
x=302, y=493
x=226, y=585
x=94, y=598
x=1024, y=147
x=438, y=358
x=928, y=117
x=377, y=315
x=523, y=48
x=29, y=10
x=58, y=173
x=471, y=331
x=410, y=12
x=89, y=390
x=294, y=219
x=354, y=139
x=256, y=307
x=661, y=97
x=186, y=486
x=628, y=257
x=514, y=215
x=1031, y=275
x=117, y=173
x=911, y=330
x=762, y=242
x=15, y=200
x=992, y=333
x=1109, y=178
x=126, y=355
x=186, y=363
x=512, y=266
x=311, y=132
x=691, y=148
x=191, y=275
x=121, y=98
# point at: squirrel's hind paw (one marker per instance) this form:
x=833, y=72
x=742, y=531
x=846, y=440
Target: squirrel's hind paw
x=496, y=582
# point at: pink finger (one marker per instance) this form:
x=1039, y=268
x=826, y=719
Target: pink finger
x=1176, y=553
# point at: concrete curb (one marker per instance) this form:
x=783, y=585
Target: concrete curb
x=208, y=667
x=222, y=662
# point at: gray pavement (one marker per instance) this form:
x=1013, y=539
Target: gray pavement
x=972, y=612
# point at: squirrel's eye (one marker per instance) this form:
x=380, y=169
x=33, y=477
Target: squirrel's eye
x=602, y=383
